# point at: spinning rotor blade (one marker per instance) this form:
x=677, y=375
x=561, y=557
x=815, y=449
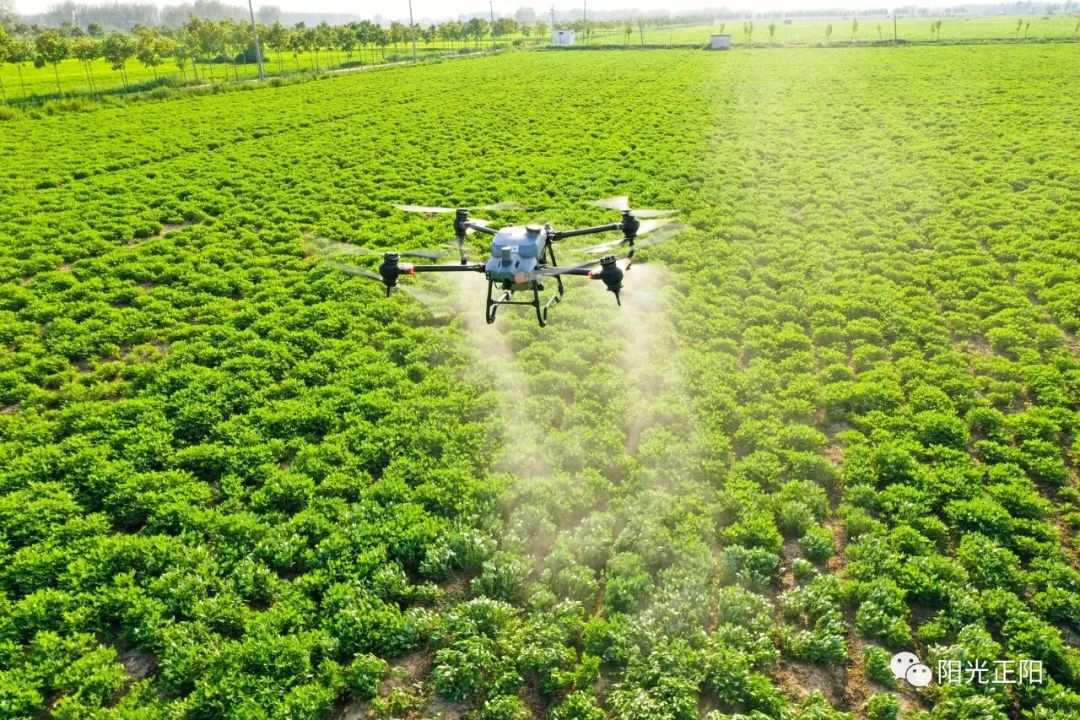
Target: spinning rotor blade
x=431, y=210
x=353, y=270
x=647, y=227
x=425, y=209
x=622, y=204
x=667, y=233
x=502, y=206
x=330, y=248
x=433, y=300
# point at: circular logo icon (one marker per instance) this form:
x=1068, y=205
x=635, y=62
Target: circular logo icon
x=900, y=663
x=919, y=675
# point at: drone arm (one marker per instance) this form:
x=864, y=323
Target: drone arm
x=413, y=269
x=586, y=231
x=481, y=228
x=582, y=271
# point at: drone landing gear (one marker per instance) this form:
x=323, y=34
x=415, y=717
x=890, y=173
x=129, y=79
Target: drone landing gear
x=507, y=298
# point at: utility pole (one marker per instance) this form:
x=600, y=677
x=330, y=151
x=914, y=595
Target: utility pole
x=491, y=7
x=412, y=26
x=258, y=50
x=585, y=20
x=894, y=26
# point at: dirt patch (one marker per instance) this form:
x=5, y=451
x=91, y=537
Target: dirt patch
x=535, y=699
x=838, y=560
x=797, y=679
x=857, y=689
x=456, y=588
x=439, y=708
x=407, y=671
x=789, y=553
x=10, y=409
x=138, y=663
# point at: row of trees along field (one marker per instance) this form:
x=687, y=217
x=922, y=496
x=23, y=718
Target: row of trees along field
x=207, y=42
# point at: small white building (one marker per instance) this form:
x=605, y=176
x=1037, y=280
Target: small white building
x=720, y=42
x=562, y=37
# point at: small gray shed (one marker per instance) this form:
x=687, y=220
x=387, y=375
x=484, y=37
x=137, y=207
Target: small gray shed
x=720, y=42
x=562, y=37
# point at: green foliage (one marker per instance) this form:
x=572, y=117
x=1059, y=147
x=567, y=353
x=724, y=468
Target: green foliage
x=578, y=706
x=364, y=675
x=882, y=706
x=877, y=665
x=817, y=543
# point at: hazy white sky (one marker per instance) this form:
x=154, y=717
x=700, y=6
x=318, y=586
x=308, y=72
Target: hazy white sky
x=451, y=8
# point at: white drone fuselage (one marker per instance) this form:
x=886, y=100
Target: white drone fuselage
x=517, y=253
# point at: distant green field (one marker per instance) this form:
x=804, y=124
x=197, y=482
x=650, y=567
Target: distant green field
x=812, y=31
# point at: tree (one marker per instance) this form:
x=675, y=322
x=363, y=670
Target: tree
x=323, y=37
x=185, y=51
x=148, y=49
x=477, y=29
x=345, y=39
x=52, y=48
x=95, y=30
x=18, y=52
x=235, y=39
x=87, y=50
x=117, y=49
x=828, y=32
x=207, y=38
x=854, y=28
x=8, y=17
x=772, y=31
x=505, y=27
x=297, y=43
x=5, y=51
x=397, y=34
x=276, y=38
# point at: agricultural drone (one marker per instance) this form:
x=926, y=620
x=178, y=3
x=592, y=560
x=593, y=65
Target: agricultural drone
x=522, y=257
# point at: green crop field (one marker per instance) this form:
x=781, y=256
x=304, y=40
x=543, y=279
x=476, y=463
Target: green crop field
x=835, y=419
x=802, y=31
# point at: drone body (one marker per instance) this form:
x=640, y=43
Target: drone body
x=522, y=257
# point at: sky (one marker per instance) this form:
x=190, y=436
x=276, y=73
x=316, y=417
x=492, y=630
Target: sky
x=452, y=8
